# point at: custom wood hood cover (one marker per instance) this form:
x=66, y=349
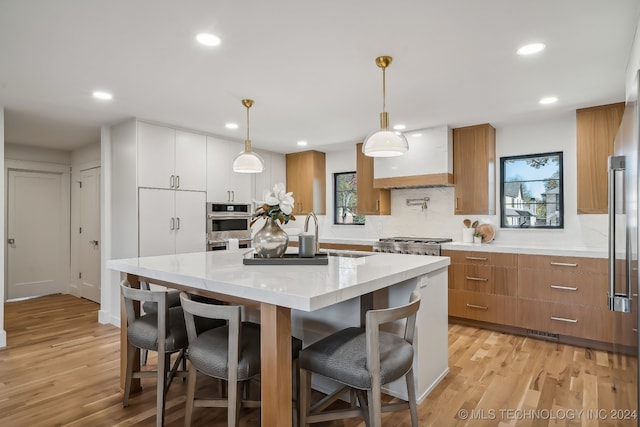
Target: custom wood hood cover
x=428, y=163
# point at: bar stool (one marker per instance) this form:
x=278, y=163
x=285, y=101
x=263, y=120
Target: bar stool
x=163, y=331
x=362, y=360
x=230, y=353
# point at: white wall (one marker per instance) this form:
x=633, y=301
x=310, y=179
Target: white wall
x=438, y=220
x=36, y=154
x=3, y=333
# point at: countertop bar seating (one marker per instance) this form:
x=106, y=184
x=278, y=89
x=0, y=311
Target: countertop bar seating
x=277, y=290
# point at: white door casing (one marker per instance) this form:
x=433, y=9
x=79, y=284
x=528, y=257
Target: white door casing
x=89, y=235
x=38, y=223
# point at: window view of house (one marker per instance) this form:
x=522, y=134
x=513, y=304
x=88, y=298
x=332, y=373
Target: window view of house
x=531, y=191
x=346, y=199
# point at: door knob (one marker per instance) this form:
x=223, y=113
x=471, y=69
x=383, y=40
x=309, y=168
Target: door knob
x=11, y=241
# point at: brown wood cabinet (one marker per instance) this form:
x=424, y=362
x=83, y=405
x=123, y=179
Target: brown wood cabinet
x=539, y=294
x=474, y=169
x=596, y=129
x=306, y=178
x=371, y=201
x=483, y=286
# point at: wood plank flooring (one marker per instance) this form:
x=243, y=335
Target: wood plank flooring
x=61, y=368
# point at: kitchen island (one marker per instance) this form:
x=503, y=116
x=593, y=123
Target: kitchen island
x=309, y=300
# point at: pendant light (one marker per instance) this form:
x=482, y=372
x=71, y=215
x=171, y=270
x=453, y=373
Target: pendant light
x=248, y=161
x=384, y=142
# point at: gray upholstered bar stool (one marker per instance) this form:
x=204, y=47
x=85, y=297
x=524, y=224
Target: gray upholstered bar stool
x=163, y=331
x=230, y=353
x=362, y=360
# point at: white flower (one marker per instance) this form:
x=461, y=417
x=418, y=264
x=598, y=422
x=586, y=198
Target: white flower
x=276, y=204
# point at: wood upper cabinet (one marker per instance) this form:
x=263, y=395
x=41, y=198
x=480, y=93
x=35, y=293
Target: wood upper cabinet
x=474, y=169
x=306, y=178
x=596, y=128
x=371, y=201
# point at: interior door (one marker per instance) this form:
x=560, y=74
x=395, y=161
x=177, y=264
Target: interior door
x=89, y=235
x=36, y=228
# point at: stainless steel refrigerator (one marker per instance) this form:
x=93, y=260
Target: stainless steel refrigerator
x=623, y=252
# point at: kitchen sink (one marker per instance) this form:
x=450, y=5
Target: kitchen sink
x=348, y=254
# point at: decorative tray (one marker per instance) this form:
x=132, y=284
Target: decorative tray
x=287, y=259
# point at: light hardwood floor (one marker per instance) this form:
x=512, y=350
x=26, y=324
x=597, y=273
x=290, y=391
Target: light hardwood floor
x=61, y=368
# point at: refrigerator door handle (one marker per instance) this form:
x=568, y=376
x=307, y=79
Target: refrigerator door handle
x=617, y=301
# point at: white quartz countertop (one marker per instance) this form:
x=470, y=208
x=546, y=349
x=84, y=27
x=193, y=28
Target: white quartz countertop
x=300, y=287
x=559, y=250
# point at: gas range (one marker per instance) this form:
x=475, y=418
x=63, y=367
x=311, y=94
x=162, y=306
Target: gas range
x=410, y=245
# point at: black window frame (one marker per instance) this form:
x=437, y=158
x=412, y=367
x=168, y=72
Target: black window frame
x=335, y=200
x=503, y=223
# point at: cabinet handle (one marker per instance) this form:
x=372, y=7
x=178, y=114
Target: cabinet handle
x=564, y=319
x=563, y=264
x=456, y=203
x=477, y=279
x=178, y=223
x=233, y=196
x=476, y=258
x=177, y=181
x=171, y=181
x=479, y=307
x=377, y=205
x=635, y=330
x=172, y=224
x=564, y=288
x=228, y=196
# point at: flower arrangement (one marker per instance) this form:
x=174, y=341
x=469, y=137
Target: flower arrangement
x=276, y=204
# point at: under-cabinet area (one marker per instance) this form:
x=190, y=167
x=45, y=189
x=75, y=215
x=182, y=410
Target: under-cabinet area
x=561, y=298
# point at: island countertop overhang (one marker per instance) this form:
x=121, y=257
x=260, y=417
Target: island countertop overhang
x=304, y=287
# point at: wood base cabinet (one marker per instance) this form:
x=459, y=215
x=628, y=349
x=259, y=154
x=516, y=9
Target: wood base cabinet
x=484, y=307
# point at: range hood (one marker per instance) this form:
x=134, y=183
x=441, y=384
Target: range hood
x=428, y=163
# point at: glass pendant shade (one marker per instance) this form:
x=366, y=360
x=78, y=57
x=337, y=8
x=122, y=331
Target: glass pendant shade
x=383, y=142
x=248, y=161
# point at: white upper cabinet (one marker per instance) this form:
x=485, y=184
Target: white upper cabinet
x=223, y=184
x=429, y=161
x=275, y=171
x=172, y=159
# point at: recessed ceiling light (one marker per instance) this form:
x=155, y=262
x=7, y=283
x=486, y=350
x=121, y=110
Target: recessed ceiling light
x=415, y=135
x=548, y=100
x=231, y=126
x=530, y=49
x=399, y=127
x=208, y=39
x=106, y=96
x=302, y=143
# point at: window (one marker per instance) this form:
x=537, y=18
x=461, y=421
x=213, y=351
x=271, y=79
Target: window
x=345, y=199
x=531, y=191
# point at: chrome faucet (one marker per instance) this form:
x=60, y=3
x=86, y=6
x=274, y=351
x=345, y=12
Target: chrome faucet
x=306, y=228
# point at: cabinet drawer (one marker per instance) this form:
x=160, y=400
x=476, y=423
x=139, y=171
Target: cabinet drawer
x=483, y=278
x=566, y=319
x=487, y=308
x=485, y=258
x=560, y=263
x=563, y=286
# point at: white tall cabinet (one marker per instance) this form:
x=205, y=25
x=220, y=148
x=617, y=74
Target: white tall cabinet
x=171, y=221
x=223, y=184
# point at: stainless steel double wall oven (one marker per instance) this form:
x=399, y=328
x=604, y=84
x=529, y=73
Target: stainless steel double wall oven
x=228, y=221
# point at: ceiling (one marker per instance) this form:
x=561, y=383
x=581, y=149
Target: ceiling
x=309, y=65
